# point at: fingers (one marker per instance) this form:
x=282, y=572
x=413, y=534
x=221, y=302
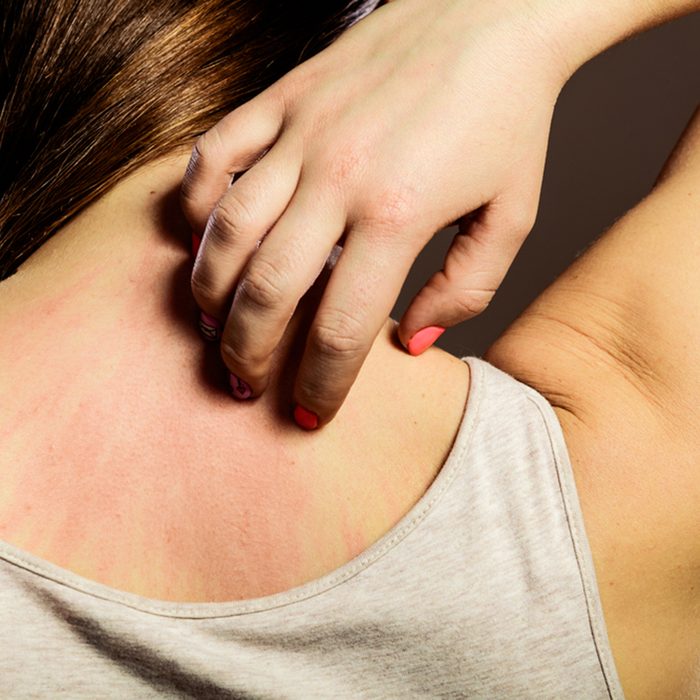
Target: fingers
x=285, y=266
x=243, y=216
x=230, y=146
x=356, y=302
x=476, y=263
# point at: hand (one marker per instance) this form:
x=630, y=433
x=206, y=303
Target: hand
x=421, y=114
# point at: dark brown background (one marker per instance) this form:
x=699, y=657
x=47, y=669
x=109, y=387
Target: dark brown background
x=615, y=123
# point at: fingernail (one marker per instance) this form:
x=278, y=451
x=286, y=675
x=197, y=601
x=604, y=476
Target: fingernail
x=240, y=389
x=196, y=241
x=424, y=339
x=304, y=418
x=209, y=326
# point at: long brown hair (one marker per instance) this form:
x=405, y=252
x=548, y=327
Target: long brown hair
x=91, y=90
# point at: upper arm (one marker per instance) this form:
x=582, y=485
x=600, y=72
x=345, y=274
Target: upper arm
x=614, y=345
x=629, y=307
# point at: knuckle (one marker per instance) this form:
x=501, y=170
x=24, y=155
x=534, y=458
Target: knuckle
x=202, y=289
x=471, y=302
x=519, y=222
x=241, y=358
x=206, y=146
x=297, y=84
x=347, y=162
x=230, y=219
x=393, y=209
x=189, y=179
x=199, y=150
x=338, y=335
x=261, y=286
x=187, y=186
x=233, y=354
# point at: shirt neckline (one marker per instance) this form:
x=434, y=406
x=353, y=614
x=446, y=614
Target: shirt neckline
x=455, y=458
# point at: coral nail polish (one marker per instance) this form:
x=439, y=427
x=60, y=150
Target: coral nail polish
x=305, y=418
x=425, y=337
x=209, y=326
x=240, y=389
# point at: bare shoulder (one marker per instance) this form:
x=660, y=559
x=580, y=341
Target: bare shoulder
x=614, y=345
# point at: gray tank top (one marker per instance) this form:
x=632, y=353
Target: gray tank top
x=484, y=589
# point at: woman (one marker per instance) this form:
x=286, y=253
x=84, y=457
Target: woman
x=159, y=538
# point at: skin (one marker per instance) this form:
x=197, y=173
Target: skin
x=422, y=114
x=109, y=395
x=109, y=392
x=612, y=344
x=83, y=463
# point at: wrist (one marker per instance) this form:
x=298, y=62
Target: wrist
x=578, y=30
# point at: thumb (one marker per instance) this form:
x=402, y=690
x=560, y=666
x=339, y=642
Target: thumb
x=476, y=263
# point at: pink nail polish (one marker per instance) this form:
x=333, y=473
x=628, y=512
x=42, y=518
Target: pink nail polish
x=240, y=389
x=305, y=418
x=209, y=326
x=425, y=337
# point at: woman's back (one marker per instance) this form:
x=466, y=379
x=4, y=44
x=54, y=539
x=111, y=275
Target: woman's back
x=485, y=588
x=127, y=463
x=125, y=459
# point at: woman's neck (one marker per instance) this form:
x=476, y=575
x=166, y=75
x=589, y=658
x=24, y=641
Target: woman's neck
x=107, y=383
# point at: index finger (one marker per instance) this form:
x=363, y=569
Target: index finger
x=233, y=144
x=361, y=292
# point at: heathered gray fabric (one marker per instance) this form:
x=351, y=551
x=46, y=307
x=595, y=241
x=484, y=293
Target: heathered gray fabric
x=485, y=589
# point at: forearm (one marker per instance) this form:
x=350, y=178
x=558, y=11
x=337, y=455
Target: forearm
x=581, y=29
